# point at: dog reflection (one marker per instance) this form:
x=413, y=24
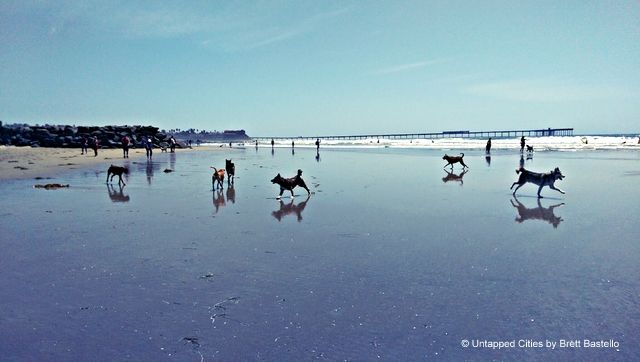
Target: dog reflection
x=290, y=208
x=218, y=199
x=117, y=196
x=538, y=213
x=231, y=194
x=453, y=177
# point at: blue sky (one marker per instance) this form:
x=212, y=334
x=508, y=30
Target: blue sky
x=323, y=67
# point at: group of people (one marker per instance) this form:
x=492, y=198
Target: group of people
x=293, y=144
x=522, y=144
x=125, y=141
x=92, y=142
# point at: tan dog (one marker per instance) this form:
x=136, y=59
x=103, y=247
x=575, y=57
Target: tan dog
x=217, y=177
x=454, y=159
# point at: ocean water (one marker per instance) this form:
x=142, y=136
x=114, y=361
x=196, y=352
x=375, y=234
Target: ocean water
x=540, y=144
x=392, y=257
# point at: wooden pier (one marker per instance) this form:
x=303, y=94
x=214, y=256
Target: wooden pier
x=433, y=135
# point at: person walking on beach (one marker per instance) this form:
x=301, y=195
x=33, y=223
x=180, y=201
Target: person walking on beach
x=293, y=144
x=272, y=144
x=488, y=148
x=125, y=146
x=522, y=144
x=317, y=144
x=149, y=147
x=95, y=145
x=84, y=145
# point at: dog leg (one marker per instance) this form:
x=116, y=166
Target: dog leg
x=281, y=191
x=540, y=189
x=292, y=195
x=107, y=178
x=557, y=189
x=514, y=191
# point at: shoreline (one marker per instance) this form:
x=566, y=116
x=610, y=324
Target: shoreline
x=20, y=163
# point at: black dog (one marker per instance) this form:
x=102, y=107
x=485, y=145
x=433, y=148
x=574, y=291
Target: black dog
x=529, y=148
x=290, y=183
x=117, y=170
x=454, y=159
x=231, y=170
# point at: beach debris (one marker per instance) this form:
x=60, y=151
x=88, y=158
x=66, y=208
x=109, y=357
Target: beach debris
x=50, y=186
x=207, y=276
x=192, y=340
x=21, y=168
x=167, y=170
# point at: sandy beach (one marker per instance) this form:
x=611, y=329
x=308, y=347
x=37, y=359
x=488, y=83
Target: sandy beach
x=392, y=257
x=43, y=162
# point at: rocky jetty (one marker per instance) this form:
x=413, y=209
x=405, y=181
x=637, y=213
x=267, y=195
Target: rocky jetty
x=72, y=136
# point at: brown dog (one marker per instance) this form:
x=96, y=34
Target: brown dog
x=454, y=159
x=117, y=170
x=217, y=178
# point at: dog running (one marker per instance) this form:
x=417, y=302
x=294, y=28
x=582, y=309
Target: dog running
x=540, y=179
x=231, y=171
x=454, y=159
x=117, y=170
x=290, y=183
x=529, y=148
x=217, y=178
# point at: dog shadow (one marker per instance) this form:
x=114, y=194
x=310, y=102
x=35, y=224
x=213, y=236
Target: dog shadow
x=218, y=199
x=453, y=177
x=538, y=213
x=117, y=195
x=289, y=209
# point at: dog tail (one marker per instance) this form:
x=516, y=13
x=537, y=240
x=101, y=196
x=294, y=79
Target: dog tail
x=214, y=169
x=299, y=172
x=462, y=154
x=518, y=170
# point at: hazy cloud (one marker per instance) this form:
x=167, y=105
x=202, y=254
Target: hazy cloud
x=549, y=91
x=407, y=67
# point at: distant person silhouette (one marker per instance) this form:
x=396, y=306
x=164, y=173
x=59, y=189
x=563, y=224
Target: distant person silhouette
x=522, y=144
x=95, y=145
x=149, y=147
x=488, y=147
x=84, y=145
x=317, y=144
x=125, y=146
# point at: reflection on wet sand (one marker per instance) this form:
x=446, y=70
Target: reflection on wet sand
x=488, y=159
x=117, y=196
x=538, y=213
x=149, y=168
x=317, y=156
x=453, y=177
x=218, y=199
x=231, y=194
x=290, y=208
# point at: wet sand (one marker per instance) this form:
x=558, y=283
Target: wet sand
x=391, y=257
